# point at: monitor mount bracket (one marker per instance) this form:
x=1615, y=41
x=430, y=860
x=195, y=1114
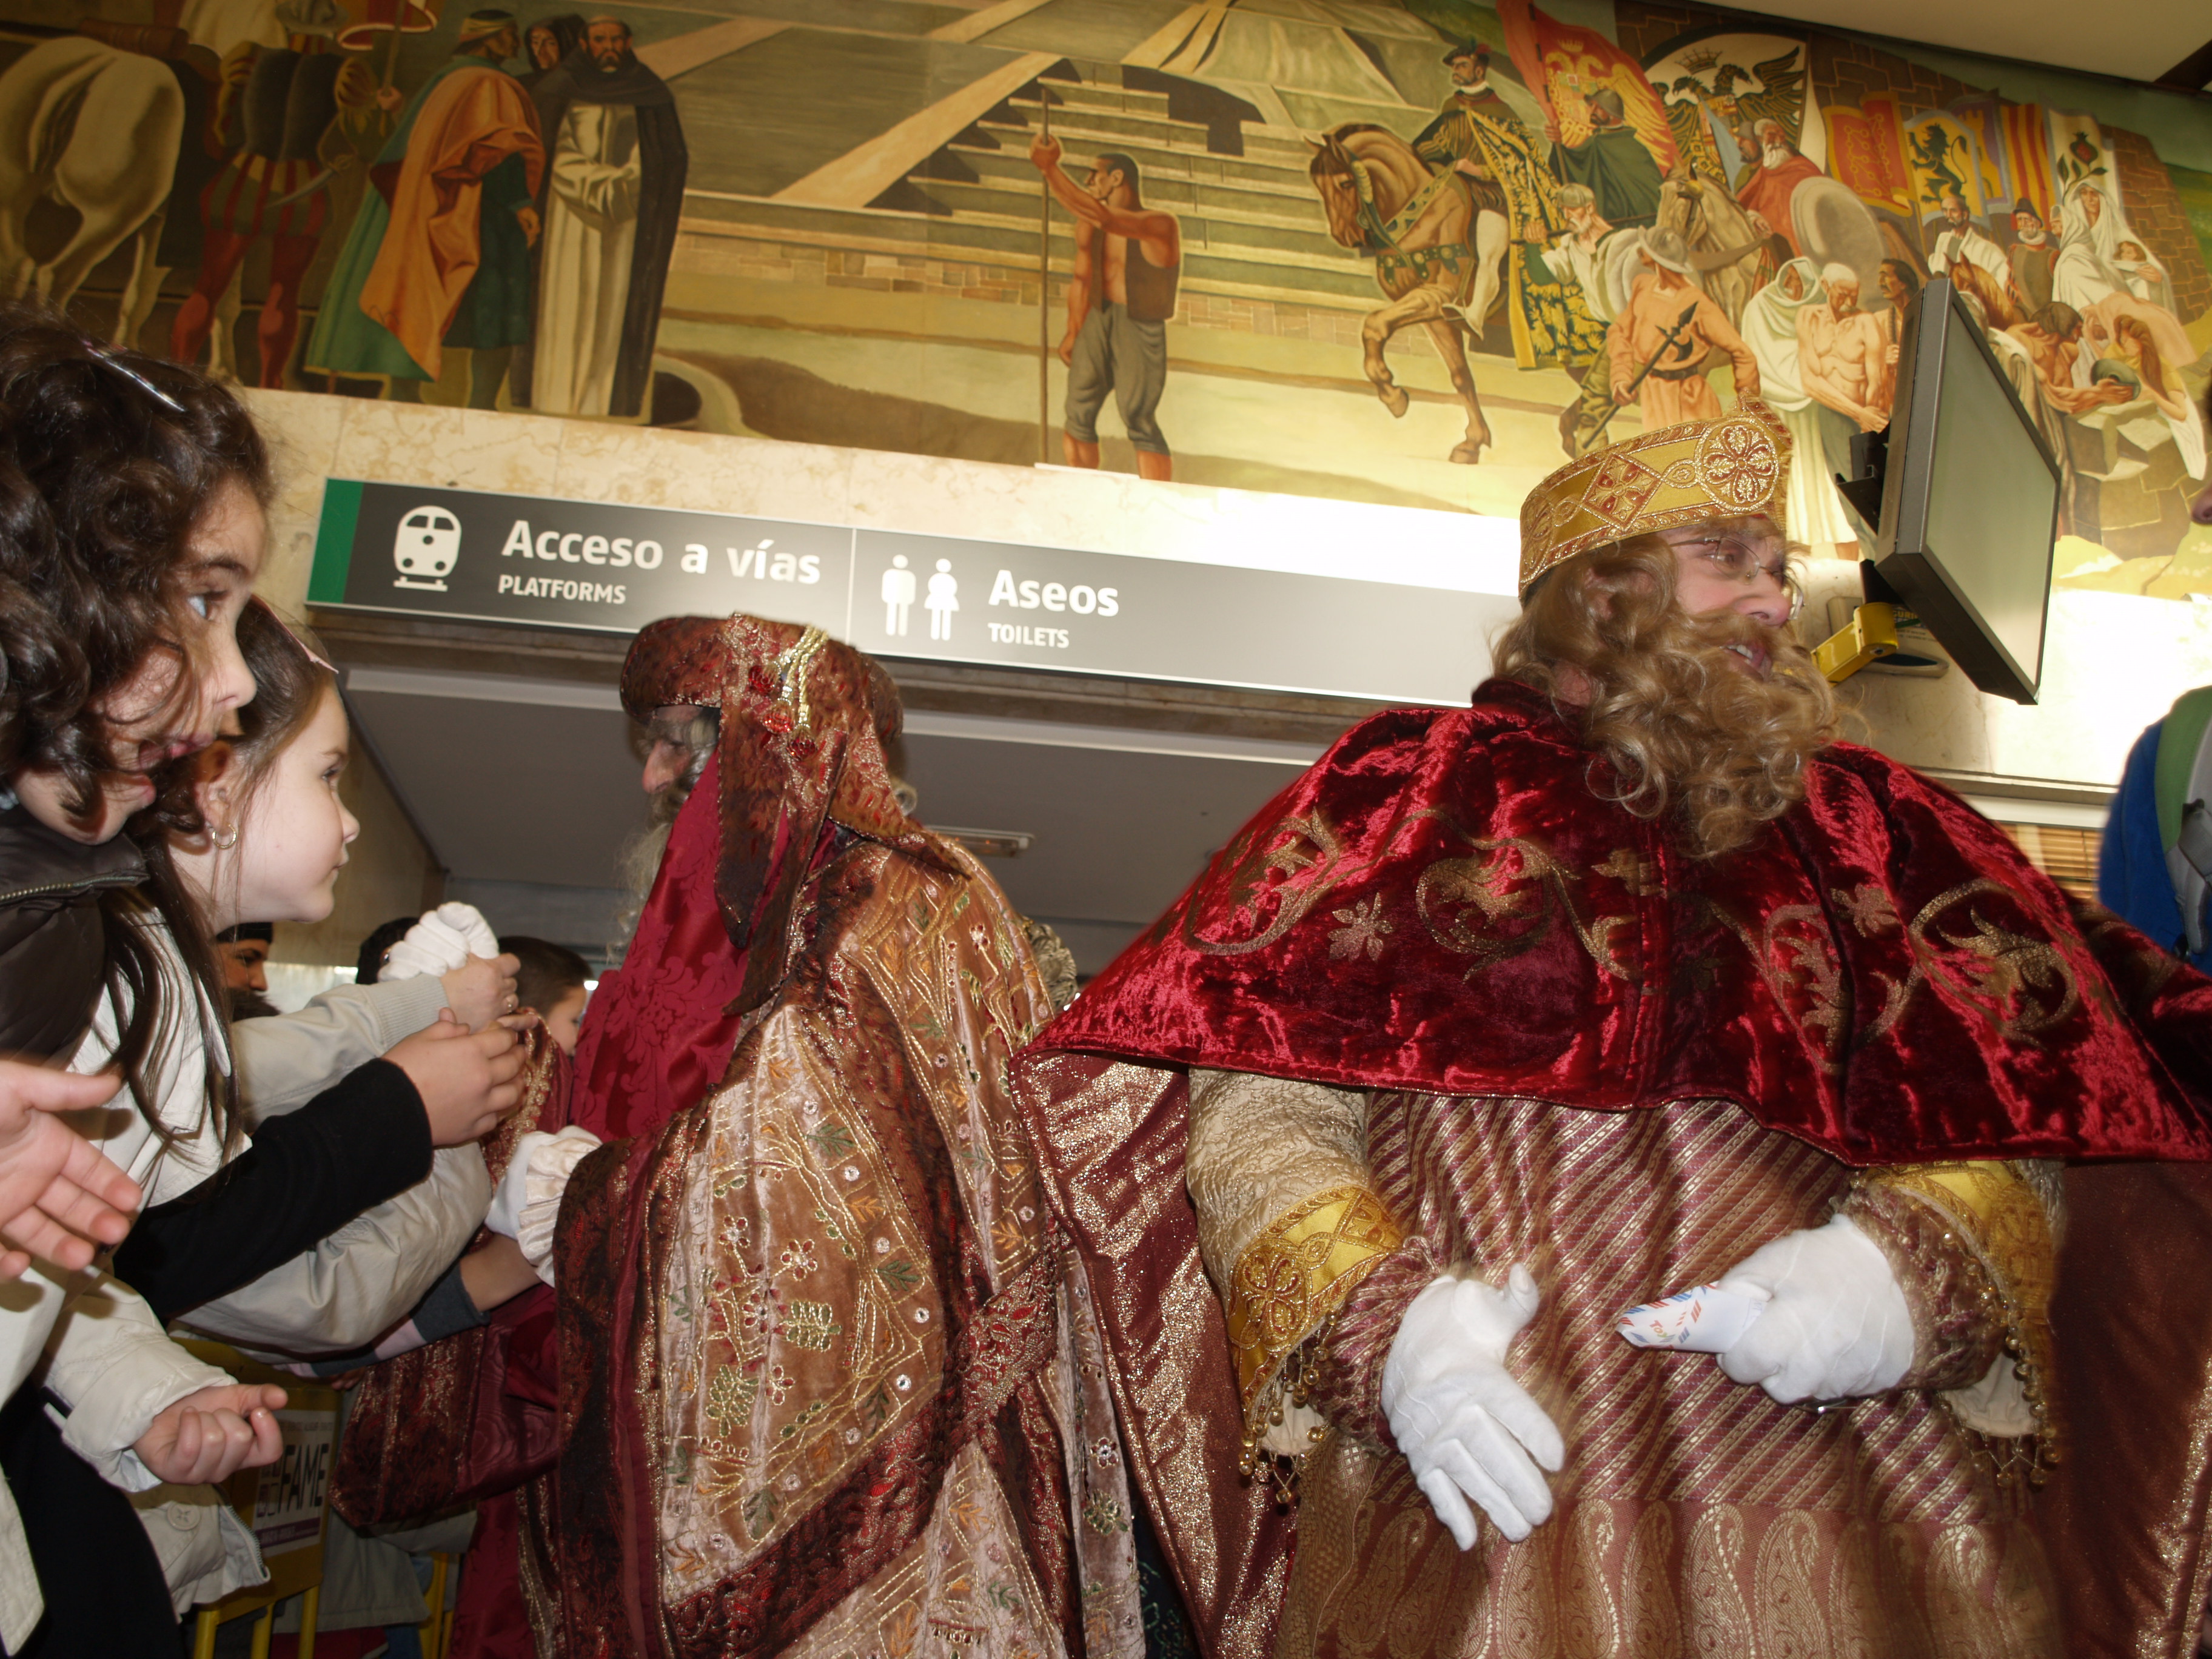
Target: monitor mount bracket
x=1871, y=634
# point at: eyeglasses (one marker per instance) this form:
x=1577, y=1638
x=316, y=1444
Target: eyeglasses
x=1736, y=559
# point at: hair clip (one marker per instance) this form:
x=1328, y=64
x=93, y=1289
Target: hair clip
x=106, y=354
x=292, y=635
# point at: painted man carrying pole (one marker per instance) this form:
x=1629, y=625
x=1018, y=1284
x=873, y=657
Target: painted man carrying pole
x=1116, y=341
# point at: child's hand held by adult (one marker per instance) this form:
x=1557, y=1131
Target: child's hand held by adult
x=467, y=1079
x=59, y=1198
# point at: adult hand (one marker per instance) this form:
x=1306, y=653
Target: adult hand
x=1044, y=154
x=59, y=1197
x=481, y=989
x=1467, y=1427
x=466, y=1078
x=1835, y=1324
x=210, y=1435
x=526, y=216
x=1067, y=350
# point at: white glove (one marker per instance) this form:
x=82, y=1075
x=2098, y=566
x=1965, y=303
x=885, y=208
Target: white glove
x=1465, y=1425
x=443, y=940
x=527, y=1203
x=1834, y=1325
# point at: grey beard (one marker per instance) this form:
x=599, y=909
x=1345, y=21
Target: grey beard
x=636, y=865
x=1776, y=155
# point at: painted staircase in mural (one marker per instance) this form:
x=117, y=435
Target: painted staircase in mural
x=1252, y=226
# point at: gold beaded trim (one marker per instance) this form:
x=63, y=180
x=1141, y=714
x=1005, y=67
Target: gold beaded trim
x=1291, y=1279
x=1987, y=1207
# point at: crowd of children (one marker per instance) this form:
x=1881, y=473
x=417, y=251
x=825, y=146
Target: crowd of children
x=174, y=1153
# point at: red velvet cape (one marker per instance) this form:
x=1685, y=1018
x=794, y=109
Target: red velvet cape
x=1446, y=902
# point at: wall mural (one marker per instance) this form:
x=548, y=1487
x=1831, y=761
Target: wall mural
x=1413, y=252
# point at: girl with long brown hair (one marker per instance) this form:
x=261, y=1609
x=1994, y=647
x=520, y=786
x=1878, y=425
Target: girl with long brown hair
x=131, y=528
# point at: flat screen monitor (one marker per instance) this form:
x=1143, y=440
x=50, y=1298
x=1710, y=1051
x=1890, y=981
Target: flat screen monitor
x=1970, y=499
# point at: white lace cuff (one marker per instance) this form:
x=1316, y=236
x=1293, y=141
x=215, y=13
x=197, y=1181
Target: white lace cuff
x=528, y=1201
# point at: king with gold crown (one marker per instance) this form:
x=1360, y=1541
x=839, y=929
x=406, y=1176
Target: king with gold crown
x=1585, y=1167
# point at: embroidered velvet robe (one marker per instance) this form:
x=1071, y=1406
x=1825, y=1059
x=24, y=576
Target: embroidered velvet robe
x=816, y=1378
x=1549, y=1035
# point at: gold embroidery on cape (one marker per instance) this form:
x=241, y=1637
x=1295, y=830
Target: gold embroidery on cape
x=1794, y=951
x=1512, y=882
x=1995, y=972
x=1305, y=852
x=1298, y=1273
x=1365, y=932
x=1465, y=900
x=2000, y=1217
x=2020, y=985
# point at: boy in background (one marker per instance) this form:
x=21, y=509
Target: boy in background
x=244, y=951
x=550, y=983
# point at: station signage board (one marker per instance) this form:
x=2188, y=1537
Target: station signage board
x=602, y=567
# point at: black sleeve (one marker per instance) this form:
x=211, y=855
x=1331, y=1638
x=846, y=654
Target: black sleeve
x=306, y=1175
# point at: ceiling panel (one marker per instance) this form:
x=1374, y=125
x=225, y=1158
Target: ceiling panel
x=2141, y=41
x=517, y=783
x=1117, y=836
x=508, y=791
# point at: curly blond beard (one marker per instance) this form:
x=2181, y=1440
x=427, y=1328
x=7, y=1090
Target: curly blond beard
x=1684, y=722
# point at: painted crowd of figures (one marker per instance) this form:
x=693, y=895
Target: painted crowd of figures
x=1602, y=218
x=527, y=218
x=503, y=224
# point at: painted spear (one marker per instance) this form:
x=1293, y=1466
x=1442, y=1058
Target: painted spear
x=1044, y=294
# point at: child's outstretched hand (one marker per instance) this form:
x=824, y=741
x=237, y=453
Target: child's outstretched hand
x=59, y=1197
x=466, y=1078
x=209, y=1436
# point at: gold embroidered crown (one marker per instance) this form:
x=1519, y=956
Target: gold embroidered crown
x=1662, y=480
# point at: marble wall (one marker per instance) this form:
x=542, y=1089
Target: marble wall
x=389, y=872
x=2116, y=662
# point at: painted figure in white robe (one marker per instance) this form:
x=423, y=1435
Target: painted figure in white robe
x=1820, y=435
x=614, y=188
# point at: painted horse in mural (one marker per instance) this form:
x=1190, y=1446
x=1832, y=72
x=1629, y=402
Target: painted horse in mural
x=93, y=129
x=1726, y=251
x=1436, y=259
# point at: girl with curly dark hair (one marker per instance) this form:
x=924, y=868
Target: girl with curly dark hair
x=131, y=527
